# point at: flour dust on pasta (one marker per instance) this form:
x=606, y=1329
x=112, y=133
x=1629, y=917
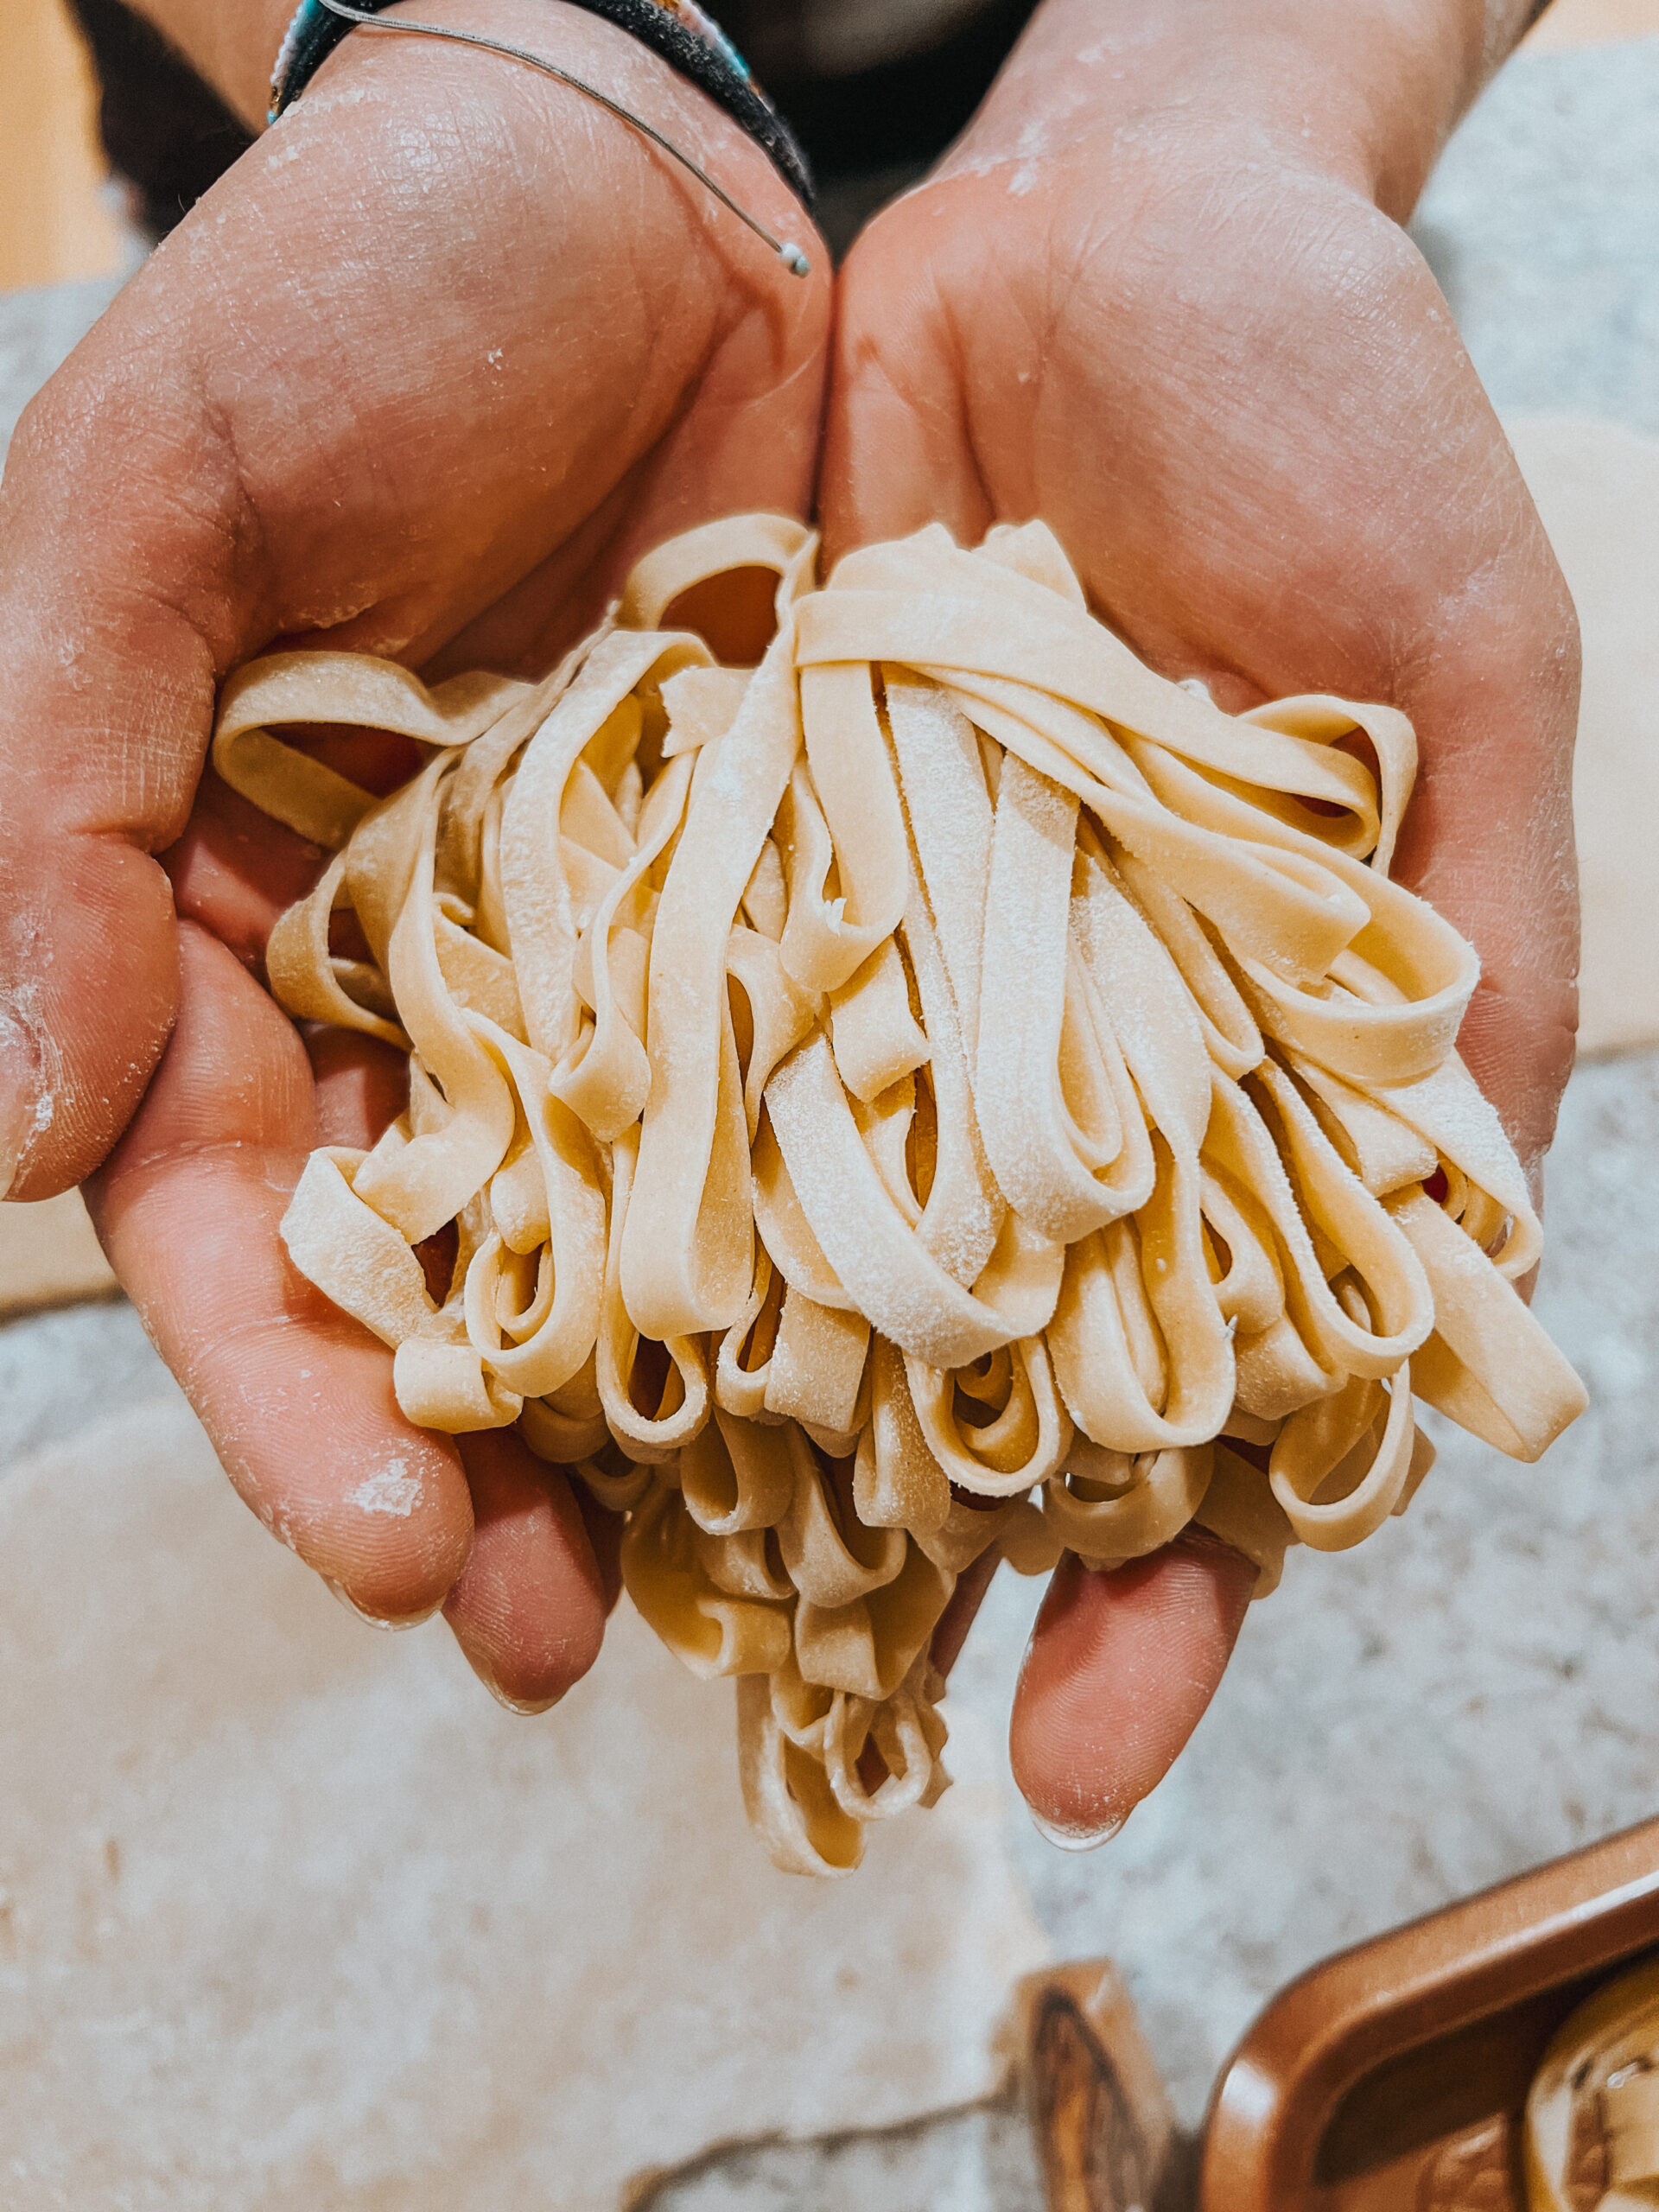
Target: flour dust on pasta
x=945, y=1086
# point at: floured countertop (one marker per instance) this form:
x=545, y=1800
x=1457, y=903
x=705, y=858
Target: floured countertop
x=294, y=1917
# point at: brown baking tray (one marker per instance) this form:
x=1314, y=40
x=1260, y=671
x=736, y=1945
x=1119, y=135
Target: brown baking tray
x=1392, y=2078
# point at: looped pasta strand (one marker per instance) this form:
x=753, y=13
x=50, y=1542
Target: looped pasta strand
x=945, y=1087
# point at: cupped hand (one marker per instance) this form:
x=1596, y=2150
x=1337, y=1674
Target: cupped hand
x=1158, y=297
x=437, y=359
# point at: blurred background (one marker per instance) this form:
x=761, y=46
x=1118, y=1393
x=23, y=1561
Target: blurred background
x=63, y=222
x=287, y=1910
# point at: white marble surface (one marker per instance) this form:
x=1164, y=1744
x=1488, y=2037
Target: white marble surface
x=1467, y=1695
x=1472, y=1692
x=1542, y=224
x=294, y=1919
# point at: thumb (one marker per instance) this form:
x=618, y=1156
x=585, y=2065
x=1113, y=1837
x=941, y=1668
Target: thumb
x=1120, y=1669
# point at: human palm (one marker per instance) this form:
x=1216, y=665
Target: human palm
x=434, y=363
x=1225, y=376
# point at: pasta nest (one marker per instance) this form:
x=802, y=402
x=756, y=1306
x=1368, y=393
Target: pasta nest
x=946, y=1085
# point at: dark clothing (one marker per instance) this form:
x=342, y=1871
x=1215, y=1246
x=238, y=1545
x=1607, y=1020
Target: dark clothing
x=890, y=100
x=166, y=132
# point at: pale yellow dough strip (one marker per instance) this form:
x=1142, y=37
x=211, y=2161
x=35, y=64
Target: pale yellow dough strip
x=945, y=1087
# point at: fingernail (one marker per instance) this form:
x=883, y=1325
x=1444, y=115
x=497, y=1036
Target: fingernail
x=375, y=1620
x=1075, y=1835
x=25, y=1109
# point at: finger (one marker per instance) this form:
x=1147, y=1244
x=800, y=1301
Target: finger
x=1119, y=1670
x=529, y=1609
x=605, y=1534
x=1488, y=838
x=237, y=872
x=297, y=1397
x=362, y=1087
x=959, y=1616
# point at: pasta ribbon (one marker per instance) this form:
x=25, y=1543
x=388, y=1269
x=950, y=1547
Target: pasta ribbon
x=945, y=1087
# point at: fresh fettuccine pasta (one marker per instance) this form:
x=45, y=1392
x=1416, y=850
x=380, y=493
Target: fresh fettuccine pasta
x=946, y=1086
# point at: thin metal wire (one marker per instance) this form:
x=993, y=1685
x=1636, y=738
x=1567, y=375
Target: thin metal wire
x=786, y=249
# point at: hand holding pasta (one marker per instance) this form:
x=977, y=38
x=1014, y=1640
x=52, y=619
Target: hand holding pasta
x=401, y=378
x=946, y=1086
x=1160, y=293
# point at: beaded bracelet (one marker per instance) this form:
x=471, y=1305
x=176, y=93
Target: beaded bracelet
x=676, y=30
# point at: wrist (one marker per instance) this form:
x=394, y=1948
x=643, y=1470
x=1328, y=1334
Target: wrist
x=1369, y=90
